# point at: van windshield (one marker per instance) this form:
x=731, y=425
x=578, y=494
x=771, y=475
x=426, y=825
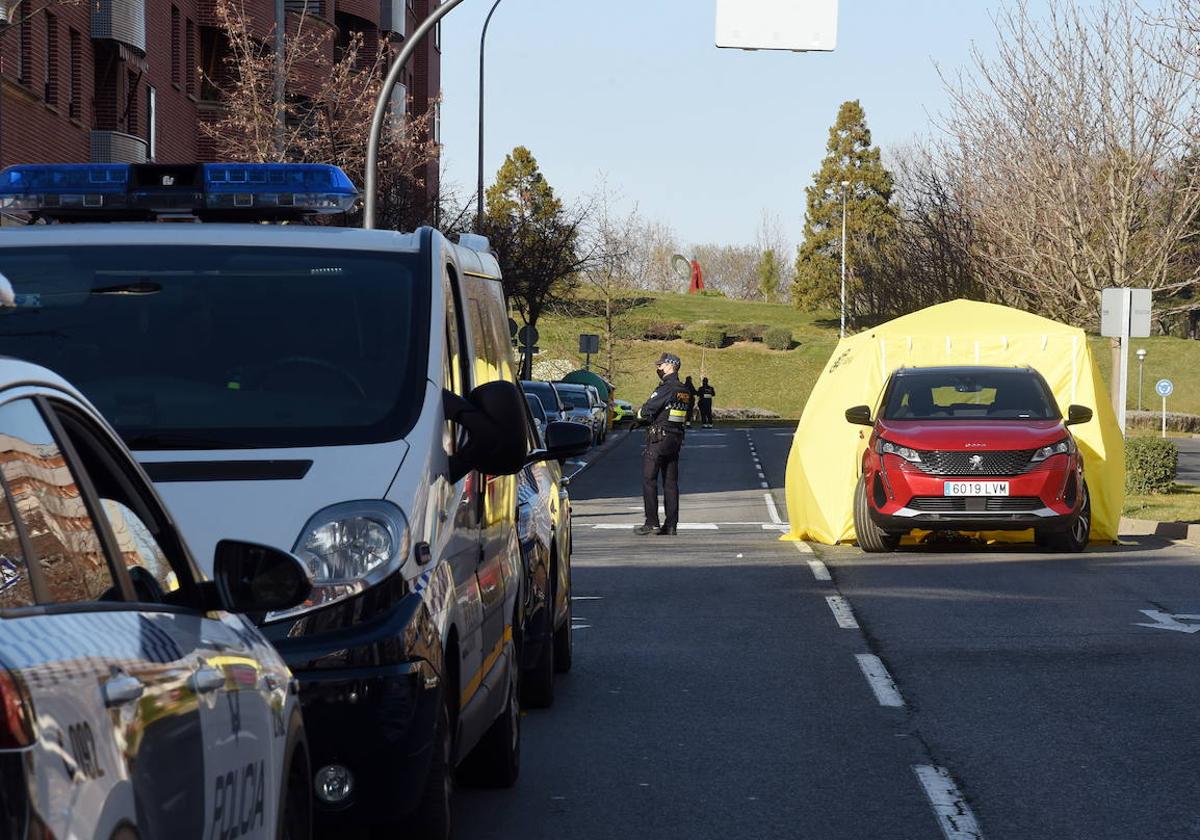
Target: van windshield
x=227, y=347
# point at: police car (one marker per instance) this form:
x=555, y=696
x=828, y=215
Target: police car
x=348, y=394
x=134, y=702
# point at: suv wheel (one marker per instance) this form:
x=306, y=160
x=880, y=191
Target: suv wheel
x=537, y=684
x=564, y=642
x=1075, y=539
x=871, y=538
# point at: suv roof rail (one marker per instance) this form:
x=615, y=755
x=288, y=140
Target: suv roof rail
x=475, y=242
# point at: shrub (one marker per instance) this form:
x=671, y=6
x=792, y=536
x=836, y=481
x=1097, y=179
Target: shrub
x=1150, y=465
x=712, y=293
x=778, y=338
x=705, y=334
x=661, y=330
x=749, y=332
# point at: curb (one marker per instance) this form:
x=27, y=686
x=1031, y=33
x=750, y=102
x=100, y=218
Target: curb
x=1166, y=530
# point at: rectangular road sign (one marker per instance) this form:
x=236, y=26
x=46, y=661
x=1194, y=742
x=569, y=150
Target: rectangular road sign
x=1125, y=313
x=589, y=343
x=795, y=25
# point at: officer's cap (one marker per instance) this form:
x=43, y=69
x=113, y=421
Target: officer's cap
x=669, y=359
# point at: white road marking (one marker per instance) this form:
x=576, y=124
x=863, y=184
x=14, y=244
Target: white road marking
x=581, y=626
x=1168, y=621
x=803, y=547
x=782, y=527
x=840, y=608
x=629, y=526
x=819, y=570
x=953, y=813
x=707, y=446
x=880, y=680
x=764, y=485
x=772, y=511
x=587, y=597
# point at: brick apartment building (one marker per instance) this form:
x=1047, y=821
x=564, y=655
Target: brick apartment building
x=125, y=80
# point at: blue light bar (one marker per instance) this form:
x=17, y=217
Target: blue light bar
x=65, y=186
x=210, y=191
x=310, y=187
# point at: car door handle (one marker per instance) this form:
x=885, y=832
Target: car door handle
x=207, y=680
x=121, y=690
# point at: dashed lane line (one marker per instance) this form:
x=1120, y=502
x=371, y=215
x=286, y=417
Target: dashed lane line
x=880, y=680
x=819, y=570
x=842, y=613
x=953, y=813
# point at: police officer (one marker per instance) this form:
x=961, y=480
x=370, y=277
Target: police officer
x=706, y=394
x=665, y=413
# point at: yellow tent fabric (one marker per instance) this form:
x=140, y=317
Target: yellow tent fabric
x=826, y=453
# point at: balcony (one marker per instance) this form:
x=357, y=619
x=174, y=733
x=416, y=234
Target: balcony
x=393, y=17
x=118, y=147
x=123, y=21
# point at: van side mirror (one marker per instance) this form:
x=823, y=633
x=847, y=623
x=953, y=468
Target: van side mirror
x=1077, y=414
x=252, y=578
x=860, y=415
x=493, y=416
x=563, y=441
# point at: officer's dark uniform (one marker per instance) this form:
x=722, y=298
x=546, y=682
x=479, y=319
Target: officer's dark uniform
x=706, y=394
x=666, y=414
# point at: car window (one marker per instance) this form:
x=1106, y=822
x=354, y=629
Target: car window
x=957, y=394
x=46, y=494
x=139, y=549
x=15, y=589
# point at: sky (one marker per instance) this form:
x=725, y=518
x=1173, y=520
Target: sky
x=634, y=93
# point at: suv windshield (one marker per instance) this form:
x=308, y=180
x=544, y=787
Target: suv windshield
x=227, y=347
x=575, y=399
x=979, y=394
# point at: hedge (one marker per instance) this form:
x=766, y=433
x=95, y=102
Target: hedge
x=1150, y=465
x=705, y=334
x=778, y=338
x=749, y=332
x=661, y=330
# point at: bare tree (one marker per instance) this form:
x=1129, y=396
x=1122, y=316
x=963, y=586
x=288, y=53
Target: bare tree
x=327, y=113
x=1068, y=151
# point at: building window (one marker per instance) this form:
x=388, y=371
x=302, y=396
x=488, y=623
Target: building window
x=131, y=103
x=25, y=53
x=151, y=117
x=75, y=77
x=190, y=58
x=175, y=57
x=437, y=36
x=51, y=59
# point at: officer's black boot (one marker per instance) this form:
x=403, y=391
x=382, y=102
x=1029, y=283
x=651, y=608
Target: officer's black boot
x=643, y=530
x=667, y=531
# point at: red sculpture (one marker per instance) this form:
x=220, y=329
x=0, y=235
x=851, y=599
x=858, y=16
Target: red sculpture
x=697, y=279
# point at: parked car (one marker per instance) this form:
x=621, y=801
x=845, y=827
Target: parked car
x=348, y=393
x=551, y=401
x=623, y=412
x=137, y=700
x=544, y=528
x=971, y=449
x=538, y=413
x=605, y=411
x=584, y=407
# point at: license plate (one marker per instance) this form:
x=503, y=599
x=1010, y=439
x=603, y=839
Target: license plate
x=975, y=488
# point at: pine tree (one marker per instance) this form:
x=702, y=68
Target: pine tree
x=768, y=272
x=870, y=216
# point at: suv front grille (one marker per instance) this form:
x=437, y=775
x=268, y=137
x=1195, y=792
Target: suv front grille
x=1003, y=462
x=972, y=504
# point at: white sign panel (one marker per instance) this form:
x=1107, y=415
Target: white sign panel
x=1125, y=313
x=796, y=25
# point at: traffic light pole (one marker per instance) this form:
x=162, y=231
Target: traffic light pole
x=371, y=186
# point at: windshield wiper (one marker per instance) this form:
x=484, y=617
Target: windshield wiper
x=178, y=440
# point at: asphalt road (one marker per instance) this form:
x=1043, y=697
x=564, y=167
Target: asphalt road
x=718, y=691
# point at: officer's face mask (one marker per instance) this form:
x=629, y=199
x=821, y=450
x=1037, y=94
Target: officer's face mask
x=661, y=373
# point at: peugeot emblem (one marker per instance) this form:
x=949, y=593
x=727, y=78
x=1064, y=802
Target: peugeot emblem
x=975, y=462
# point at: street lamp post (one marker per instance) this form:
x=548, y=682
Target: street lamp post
x=482, y=46
x=1141, y=354
x=842, y=331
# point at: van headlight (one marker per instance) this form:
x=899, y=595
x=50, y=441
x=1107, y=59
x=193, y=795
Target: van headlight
x=348, y=548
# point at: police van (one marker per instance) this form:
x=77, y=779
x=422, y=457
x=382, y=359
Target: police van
x=346, y=394
x=133, y=701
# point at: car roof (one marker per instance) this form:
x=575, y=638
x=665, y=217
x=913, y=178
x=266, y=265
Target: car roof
x=573, y=386
x=963, y=370
x=235, y=235
x=15, y=372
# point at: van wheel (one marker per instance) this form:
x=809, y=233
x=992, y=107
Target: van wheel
x=496, y=761
x=871, y=538
x=537, y=684
x=431, y=820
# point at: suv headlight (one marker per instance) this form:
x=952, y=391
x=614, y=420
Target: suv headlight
x=1063, y=447
x=348, y=548
x=886, y=447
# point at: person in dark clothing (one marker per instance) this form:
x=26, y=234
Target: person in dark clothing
x=665, y=413
x=687, y=383
x=705, y=395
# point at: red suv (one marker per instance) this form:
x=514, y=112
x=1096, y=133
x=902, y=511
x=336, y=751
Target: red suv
x=971, y=449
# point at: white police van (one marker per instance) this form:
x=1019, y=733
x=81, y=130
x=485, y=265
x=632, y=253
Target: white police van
x=133, y=703
x=347, y=394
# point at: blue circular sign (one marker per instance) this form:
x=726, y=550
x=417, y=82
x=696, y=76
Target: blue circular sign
x=1165, y=387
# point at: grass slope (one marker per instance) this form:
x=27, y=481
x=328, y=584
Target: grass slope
x=749, y=375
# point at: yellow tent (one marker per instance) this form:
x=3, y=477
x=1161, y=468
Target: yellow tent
x=826, y=453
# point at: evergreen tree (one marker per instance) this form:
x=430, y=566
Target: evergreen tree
x=870, y=216
x=768, y=272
